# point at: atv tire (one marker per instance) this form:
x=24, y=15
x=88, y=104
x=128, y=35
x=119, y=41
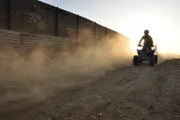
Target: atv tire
x=155, y=59
x=135, y=60
x=152, y=61
x=140, y=61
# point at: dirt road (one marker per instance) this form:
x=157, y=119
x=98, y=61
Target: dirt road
x=132, y=93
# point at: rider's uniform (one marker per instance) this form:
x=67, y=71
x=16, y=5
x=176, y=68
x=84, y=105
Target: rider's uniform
x=148, y=41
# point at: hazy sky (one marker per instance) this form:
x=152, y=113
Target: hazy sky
x=131, y=17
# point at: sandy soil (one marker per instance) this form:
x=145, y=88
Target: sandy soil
x=132, y=93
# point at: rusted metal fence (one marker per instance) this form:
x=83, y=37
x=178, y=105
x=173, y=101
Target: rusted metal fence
x=33, y=16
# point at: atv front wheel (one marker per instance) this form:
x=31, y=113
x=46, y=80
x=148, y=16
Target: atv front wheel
x=155, y=59
x=135, y=60
x=152, y=61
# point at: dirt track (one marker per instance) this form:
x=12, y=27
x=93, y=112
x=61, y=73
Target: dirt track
x=133, y=93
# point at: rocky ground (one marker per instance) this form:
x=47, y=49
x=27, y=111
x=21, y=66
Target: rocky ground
x=132, y=93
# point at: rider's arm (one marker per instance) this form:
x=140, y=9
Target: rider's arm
x=141, y=40
x=152, y=41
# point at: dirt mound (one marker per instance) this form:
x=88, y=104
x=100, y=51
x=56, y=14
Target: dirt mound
x=133, y=93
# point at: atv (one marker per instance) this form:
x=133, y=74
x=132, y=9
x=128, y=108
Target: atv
x=149, y=55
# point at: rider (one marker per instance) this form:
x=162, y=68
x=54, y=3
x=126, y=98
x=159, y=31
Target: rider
x=148, y=41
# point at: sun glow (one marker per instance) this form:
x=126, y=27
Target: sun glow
x=161, y=29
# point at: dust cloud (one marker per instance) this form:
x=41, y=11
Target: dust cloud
x=33, y=78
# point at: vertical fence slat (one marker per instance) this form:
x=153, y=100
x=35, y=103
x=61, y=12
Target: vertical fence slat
x=57, y=23
x=9, y=14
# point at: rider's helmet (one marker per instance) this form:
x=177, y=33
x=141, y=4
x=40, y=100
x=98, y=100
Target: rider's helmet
x=146, y=32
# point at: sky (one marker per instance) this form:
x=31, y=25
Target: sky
x=132, y=17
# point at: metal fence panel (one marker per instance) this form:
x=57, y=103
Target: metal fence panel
x=87, y=31
x=21, y=15
x=67, y=24
x=46, y=23
x=4, y=14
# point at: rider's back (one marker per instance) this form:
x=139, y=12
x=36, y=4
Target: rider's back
x=148, y=41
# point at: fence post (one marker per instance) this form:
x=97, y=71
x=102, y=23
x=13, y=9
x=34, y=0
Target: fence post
x=95, y=31
x=77, y=31
x=34, y=11
x=9, y=14
x=77, y=27
x=106, y=31
x=57, y=22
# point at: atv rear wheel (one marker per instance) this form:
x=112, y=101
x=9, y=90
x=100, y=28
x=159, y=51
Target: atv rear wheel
x=135, y=60
x=155, y=59
x=140, y=61
x=152, y=61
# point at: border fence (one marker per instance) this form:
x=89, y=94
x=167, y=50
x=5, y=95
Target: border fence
x=36, y=17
